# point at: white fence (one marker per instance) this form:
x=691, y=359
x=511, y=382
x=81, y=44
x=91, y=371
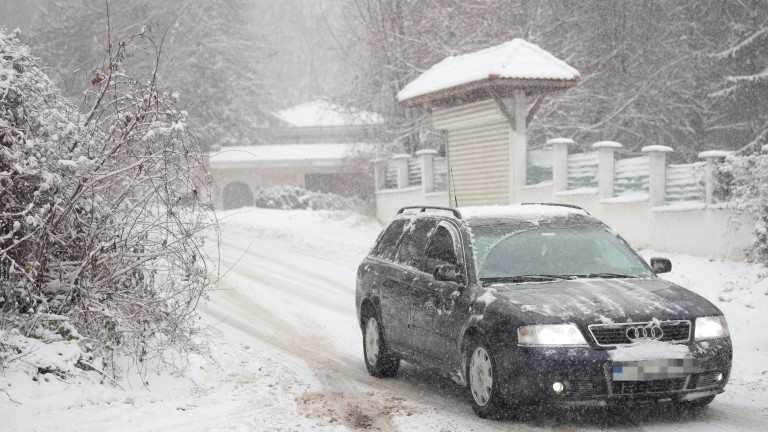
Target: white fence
x=653, y=205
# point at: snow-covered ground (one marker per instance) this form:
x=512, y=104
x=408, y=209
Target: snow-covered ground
x=287, y=352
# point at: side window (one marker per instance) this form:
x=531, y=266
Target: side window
x=411, y=249
x=441, y=249
x=385, y=248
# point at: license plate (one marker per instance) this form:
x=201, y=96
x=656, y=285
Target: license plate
x=647, y=370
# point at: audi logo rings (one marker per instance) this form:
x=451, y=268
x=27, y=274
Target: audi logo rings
x=648, y=332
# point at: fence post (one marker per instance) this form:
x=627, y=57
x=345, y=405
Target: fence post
x=711, y=157
x=606, y=170
x=401, y=163
x=427, y=169
x=657, y=173
x=379, y=172
x=560, y=163
x=765, y=148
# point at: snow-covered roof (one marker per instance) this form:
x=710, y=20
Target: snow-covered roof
x=322, y=113
x=283, y=155
x=517, y=61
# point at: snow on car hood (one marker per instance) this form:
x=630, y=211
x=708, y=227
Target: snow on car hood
x=592, y=301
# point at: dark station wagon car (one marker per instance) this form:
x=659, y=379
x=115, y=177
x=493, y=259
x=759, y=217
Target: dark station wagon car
x=536, y=303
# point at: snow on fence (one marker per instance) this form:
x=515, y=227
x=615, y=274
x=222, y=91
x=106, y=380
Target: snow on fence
x=631, y=175
x=539, y=166
x=414, y=172
x=685, y=182
x=440, y=174
x=582, y=170
x=653, y=204
x=403, y=180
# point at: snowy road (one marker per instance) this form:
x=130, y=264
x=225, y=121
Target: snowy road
x=285, y=309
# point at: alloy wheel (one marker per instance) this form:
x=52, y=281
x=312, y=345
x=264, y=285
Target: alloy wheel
x=481, y=376
x=372, y=342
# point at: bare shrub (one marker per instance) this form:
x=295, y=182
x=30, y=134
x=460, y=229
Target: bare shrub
x=102, y=211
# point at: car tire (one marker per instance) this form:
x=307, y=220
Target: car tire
x=482, y=381
x=696, y=403
x=379, y=360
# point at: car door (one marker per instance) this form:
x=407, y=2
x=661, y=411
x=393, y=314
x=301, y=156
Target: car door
x=435, y=301
x=385, y=275
x=397, y=279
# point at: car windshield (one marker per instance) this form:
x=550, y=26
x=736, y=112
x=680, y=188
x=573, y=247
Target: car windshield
x=503, y=254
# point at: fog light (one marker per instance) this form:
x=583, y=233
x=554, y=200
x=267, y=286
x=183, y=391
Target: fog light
x=558, y=387
x=719, y=377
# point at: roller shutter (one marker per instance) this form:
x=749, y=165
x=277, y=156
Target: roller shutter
x=478, y=153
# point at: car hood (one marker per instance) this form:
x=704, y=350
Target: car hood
x=591, y=301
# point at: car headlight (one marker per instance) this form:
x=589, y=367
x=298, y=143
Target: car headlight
x=555, y=334
x=711, y=327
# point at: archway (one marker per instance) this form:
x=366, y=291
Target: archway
x=236, y=195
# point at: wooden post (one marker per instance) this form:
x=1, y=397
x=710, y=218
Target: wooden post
x=518, y=145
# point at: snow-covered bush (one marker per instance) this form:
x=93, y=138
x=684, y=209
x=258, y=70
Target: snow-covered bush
x=743, y=180
x=294, y=197
x=101, y=213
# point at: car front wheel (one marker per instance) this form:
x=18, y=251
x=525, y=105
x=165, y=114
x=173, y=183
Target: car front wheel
x=482, y=381
x=380, y=362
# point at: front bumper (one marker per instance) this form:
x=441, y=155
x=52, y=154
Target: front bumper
x=527, y=375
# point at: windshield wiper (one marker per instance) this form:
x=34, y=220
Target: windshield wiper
x=523, y=278
x=607, y=276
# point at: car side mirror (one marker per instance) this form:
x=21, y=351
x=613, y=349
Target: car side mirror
x=448, y=273
x=661, y=265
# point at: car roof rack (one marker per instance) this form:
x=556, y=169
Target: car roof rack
x=423, y=209
x=558, y=205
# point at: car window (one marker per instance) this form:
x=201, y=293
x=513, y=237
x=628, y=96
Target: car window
x=410, y=251
x=386, y=247
x=559, y=252
x=441, y=249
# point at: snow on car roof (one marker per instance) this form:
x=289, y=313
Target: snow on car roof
x=527, y=212
x=516, y=210
x=516, y=59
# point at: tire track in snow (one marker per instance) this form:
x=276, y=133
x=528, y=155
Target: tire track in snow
x=278, y=280
x=315, y=254
x=339, y=374
x=278, y=271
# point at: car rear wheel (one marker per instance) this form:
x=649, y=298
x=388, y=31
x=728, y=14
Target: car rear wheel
x=482, y=382
x=379, y=360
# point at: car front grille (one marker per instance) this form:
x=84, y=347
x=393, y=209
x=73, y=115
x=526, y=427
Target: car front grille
x=643, y=387
x=616, y=334
x=596, y=388
x=586, y=389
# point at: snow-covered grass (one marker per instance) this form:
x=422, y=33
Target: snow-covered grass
x=286, y=351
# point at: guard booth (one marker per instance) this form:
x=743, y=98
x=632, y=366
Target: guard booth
x=484, y=102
